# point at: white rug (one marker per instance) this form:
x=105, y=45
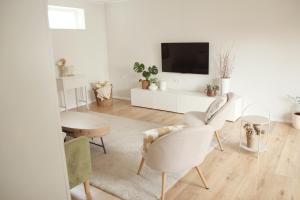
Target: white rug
x=115, y=172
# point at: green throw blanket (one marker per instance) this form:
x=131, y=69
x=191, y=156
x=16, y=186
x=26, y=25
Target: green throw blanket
x=78, y=157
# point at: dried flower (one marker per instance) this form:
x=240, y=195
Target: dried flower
x=226, y=63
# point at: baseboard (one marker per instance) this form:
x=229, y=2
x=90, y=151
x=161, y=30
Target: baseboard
x=80, y=104
x=121, y=98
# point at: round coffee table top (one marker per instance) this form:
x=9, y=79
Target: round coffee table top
x=84, y=124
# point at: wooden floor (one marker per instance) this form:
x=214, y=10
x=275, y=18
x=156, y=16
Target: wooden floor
x=232, y=174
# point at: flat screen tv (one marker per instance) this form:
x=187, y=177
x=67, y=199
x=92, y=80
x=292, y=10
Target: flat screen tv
x=192, y=58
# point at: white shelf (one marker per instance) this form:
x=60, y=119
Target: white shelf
x=179, y=101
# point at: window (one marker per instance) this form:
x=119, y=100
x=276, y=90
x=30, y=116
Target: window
x=65, y=17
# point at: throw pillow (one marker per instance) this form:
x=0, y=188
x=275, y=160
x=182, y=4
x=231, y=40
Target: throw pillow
x=151, y=135
x=215, y=107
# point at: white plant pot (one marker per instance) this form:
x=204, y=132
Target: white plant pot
x=296, y=120
x=225, y=85
x=162, y=85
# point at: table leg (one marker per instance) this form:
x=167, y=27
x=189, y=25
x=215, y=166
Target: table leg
x=103, y=145
x=86, y=97
x=65, y=101
x=100, y=145
x=76, y=98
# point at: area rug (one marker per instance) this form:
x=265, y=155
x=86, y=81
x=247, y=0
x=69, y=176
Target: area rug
x=115, y=172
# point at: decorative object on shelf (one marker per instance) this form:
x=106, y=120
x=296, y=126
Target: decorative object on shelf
x=140, y=68
x=153, y=84
x=162, y=85
x=63, y=69
x=296, y=111
x=225, y=69
x=252, y=131
x=211, y=90
x=103, y=93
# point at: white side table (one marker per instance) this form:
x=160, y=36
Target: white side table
x=263, y=130
x=72, y=83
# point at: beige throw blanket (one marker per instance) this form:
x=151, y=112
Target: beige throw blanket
x=104, y=90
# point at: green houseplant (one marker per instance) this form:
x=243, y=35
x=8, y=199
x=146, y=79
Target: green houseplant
x=146, y=73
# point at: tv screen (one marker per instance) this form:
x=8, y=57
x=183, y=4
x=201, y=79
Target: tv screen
x=190, y=58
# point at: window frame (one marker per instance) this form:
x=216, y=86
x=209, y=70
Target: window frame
x=78, y=16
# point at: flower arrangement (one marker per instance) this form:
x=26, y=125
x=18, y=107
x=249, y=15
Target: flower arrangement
x=252, y=130
x=226, y=60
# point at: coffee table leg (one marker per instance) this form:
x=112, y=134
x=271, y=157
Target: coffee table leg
x=103, y=145
x=100, y=145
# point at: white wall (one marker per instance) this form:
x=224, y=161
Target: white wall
x=31, y=148
x=265, y=34
x=84, y=49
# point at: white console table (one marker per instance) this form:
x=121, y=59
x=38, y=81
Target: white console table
x=72, y=83
x=178, y=101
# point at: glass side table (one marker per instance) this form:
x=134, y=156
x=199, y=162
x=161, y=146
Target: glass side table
x=254, y=133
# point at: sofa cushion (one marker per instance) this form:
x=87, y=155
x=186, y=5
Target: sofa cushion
x=215, y=107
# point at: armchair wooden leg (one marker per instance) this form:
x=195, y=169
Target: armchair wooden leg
x=87, y=190
x=163, y=186
x=141, y=166
x=219, y=140
x=202, y=177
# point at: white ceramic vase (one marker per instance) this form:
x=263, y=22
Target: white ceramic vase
x=296, y=120
x=153, y=86
x=225, y=85
x=162, y=85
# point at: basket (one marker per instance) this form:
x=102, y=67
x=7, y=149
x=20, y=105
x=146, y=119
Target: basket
x=105, y=102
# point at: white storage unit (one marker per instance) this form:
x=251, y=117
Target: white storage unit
x=179, y=101
x=72, y=83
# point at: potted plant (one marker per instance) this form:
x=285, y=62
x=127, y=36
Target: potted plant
x=211, y=90
x=251, y=132
x=225, y=70
x=140, y=68
x=296, y=111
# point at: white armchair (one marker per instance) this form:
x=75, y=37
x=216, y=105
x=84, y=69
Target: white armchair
x=182, y=149
x=217, y=120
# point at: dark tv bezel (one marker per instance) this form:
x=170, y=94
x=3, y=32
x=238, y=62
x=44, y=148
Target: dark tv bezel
x=161, y=45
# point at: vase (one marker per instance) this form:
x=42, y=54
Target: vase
x=145, y=84
x=153, y=87
x=162, y=85
x=296, y=120
x=211, y=93
x=250, y=141
x=225, y=85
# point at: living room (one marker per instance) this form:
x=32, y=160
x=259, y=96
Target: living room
x=112, y=80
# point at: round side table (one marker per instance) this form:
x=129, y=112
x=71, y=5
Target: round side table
x=257, y=128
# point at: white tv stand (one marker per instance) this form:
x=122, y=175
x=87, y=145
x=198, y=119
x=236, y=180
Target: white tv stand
x=179, y=101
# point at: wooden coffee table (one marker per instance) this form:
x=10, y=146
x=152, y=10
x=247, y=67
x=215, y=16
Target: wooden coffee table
x=77, y=124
